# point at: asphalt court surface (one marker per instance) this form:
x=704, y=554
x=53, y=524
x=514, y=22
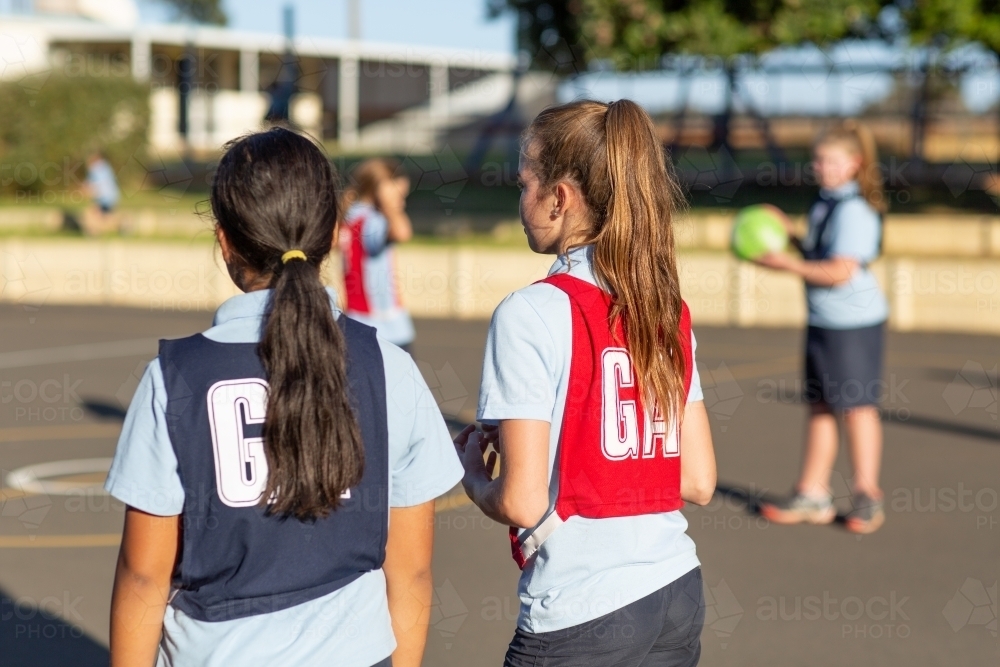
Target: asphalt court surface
x=922, y=591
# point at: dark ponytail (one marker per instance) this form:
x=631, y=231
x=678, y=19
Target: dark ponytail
x=275, y=192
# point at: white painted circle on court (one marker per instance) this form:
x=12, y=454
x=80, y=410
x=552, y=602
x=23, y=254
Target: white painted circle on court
x=43, y=478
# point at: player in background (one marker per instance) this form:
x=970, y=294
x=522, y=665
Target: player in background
x=262, y=460
x=375, y=220
x=846, y=330
x=102, y=187
x=602, y=430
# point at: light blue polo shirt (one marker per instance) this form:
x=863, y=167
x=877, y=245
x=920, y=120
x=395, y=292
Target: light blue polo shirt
x=588, y=567
x=101, y=178
x=854, y=231
x=349, y=627
x=379, y=278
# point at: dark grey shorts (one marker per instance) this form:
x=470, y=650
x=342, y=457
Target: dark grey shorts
x=660, y=630
x=844, y=366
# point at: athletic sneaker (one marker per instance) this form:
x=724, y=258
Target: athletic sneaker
x=867, y=515
x=799, y=508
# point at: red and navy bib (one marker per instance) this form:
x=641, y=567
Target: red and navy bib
x=616, y=456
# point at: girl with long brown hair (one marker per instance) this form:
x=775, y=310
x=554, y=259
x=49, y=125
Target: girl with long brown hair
x=590, y=380
x=262, y=460
x=375, y=220
x=844, y=339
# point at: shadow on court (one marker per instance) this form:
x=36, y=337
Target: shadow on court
x=103, y=410
x=921, y=592
x=32, y=635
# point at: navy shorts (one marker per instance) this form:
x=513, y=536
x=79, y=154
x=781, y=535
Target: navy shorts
x=660, y=630
x=844, y=366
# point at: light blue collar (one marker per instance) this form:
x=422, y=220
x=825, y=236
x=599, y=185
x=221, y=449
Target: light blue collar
x=358, y=208
x=578, y=262
x=253, y=304
x=845, y=191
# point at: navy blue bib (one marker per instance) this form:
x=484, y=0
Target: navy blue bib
x=816, y=245
x=235, y=559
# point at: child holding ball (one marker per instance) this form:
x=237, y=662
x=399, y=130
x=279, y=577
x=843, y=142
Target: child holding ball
x=844, y=342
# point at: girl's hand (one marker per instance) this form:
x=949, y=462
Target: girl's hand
x=391, y=196
x=470, y=445
x=491, y=435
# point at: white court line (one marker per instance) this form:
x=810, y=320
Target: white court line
x=85, y=352
x=38, y=478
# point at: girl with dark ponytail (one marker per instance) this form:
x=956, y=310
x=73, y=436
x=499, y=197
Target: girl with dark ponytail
x=261, y=462
x=591, y=395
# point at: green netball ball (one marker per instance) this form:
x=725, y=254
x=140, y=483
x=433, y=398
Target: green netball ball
x=758, y=230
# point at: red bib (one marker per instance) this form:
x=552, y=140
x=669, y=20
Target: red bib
x=354, y=254
x=615, y=457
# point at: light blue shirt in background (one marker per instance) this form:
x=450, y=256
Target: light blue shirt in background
x=101, y=178
x=588, y=567
x=854, y=231
x=349, y=627
x=387, y=314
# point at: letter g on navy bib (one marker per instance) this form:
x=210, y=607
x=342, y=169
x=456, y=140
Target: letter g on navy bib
x=236, y=560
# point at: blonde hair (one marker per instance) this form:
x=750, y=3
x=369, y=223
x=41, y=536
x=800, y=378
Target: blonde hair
x=858, y=139
x=612, y=154
x=367, y=176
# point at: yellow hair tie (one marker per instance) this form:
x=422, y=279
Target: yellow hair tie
x=293, y=254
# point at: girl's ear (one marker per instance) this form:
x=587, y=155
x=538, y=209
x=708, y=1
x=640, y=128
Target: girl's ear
x=227, y=251
x=564, y=197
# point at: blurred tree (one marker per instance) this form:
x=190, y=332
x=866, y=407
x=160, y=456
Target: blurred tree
x=634, y=34
x=199, y=11
x=548, y=33
x=944, y=24
x=48, y=131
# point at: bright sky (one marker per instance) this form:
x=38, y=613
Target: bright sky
x=463, y=24
x=448, y=23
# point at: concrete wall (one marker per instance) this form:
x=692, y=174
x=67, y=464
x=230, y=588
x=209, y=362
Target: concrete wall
x=942, y=235
x=925, y=293
x=905, y=234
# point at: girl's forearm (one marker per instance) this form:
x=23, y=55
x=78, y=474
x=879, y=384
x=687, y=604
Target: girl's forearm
x=400, y=227
x=823, y=273
x=521, y=512
x=486, y=495
x=410, y=603
x=137, y=608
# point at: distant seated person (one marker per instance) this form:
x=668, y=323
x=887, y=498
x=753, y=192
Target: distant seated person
x=374, y=220
x=102, y=188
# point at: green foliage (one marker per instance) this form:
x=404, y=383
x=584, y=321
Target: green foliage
x=954, y=22
x=199, y=11
x=639, y=29
x=634, y=34
x=550, y=32
x=48, y=130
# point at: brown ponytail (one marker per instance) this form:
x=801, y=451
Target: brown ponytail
x=611, y=152
x=273, y=192
x=857, y=138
